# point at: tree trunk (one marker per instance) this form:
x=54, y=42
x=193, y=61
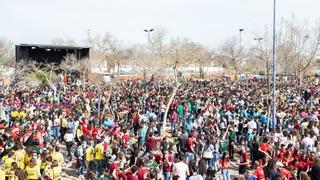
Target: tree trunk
x=118, y=73
x=300, y=77
x=168, y=106
x=268, y=77
x=177, y=84
x=236, y=72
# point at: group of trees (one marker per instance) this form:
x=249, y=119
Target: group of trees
x=297, y=52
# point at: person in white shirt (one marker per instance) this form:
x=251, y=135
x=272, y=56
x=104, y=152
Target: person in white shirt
x=181, y=169
x=307, y=142
x=251, y=126
x=68, y=137
x=56, y=127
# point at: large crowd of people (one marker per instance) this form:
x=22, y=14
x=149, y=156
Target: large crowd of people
x=217, y=129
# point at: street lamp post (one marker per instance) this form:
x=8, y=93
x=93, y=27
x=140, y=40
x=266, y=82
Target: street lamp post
x=148, y=36
x=274, y=66
x=240, y=30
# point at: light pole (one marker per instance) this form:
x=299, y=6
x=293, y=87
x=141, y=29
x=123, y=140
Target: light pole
x=148, y=31
x=240, y=30
x=274, y=66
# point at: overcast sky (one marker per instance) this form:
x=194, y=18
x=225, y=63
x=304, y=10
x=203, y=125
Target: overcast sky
x=205, y=21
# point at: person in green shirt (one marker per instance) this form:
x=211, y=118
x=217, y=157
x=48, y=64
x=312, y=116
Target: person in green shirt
x=180, y=110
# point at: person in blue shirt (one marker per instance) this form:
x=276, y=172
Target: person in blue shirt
x=263, y=119
x=187, y=125
x=108, y=122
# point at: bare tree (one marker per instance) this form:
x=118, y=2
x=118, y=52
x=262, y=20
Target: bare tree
x=109, y=46
x=298, y=45
x=233, y=54
x=6, y=53
x=47, y=74
x=263, y=52
x=158, y=41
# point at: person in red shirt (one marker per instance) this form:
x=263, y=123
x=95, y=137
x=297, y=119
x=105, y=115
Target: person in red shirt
x=167, y=165
x=265, y=149
x=225, y=165
x=279, y=155
x=288, y=159
x=285, y=174
x=258, y=171
x=135, y=122
x=303, y=163
x=244, y=160
x=152, y=142
x=143, y=171
x=125, y=138
x=131, y=174
x=114, y=170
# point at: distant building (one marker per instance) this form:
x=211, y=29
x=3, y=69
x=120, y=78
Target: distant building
x=49, y=53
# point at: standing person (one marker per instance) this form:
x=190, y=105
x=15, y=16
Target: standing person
x=57, y=155
x=64, y=123
x=258, y=171
x=89, y=157
x=244, y=160
x=68, y=138
x=315, y=169
x=167, y=165
x=174, y=120
x=143, y=136
x=180, y=169
x=79, y=135
x=56, y=127
x=135, y=122
x=183, y=139
x=225, y=165
x=32, y=170
x=56, y=170
x=191, y=144
x=232, y=140
x=2, y=171
x=194, y=174
x=272, y=170
x=99, y=156
x=79, y=153
x=252, y=124
x=208, y=153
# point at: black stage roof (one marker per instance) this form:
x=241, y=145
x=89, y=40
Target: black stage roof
x=48, y=46
x=44, y=53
